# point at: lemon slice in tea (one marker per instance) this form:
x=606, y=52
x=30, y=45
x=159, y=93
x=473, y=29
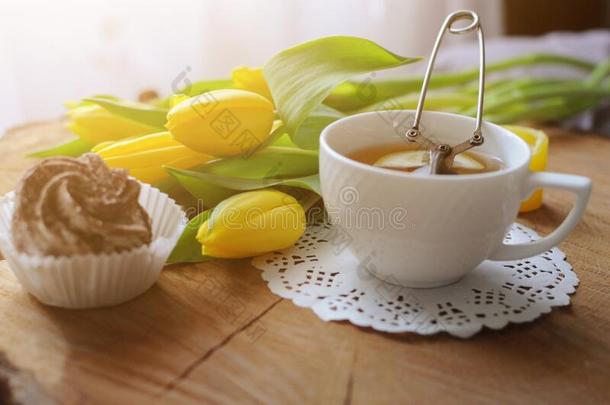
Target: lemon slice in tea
x=404, y=160
x=413, y=159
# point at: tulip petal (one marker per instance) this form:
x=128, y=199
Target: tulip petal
x=95, y=124
x=222, y=122
x=252, y=223
x=251, y=79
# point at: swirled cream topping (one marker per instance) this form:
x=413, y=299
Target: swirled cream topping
x=66, y=206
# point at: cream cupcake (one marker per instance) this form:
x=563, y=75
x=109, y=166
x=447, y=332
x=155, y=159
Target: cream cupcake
x=78, y=234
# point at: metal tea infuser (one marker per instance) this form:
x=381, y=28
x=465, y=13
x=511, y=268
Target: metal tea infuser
x=442, y=154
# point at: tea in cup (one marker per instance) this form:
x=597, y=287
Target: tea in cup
x=419, y=230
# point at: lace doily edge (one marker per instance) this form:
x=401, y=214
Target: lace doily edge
x=457, y=332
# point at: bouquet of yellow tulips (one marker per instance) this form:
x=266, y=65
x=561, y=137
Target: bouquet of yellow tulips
x=245, y=148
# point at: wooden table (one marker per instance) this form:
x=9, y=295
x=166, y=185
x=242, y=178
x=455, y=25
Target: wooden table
x=213, y=333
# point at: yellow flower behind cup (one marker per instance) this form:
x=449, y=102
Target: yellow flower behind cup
x=539, y=145
x=95, y=124
x=222, y=122
x=252, y=223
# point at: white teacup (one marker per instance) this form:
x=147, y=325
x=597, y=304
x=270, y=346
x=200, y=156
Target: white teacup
x=418, y=230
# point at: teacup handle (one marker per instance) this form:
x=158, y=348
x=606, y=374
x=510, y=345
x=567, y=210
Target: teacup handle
x=579, y=185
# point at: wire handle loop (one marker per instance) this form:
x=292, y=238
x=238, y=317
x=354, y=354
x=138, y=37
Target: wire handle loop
x=414, y=135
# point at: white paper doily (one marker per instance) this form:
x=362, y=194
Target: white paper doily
x=320, y=273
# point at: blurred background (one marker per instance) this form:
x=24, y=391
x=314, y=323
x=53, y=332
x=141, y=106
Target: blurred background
x=53, y=51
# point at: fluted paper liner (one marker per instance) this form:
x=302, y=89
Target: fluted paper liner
x=96, y=280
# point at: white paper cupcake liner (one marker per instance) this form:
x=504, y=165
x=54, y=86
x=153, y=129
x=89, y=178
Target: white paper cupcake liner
x=96, y=280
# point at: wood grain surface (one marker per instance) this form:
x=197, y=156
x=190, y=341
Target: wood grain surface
x=213, y=333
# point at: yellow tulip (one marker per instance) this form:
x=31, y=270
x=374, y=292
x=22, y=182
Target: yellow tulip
x=251, y=79
x=95, y=124
x=101, y=145
x=538, y=142
x=222, y=122
x=252, y=223
x=146, y=155
x=176, y=99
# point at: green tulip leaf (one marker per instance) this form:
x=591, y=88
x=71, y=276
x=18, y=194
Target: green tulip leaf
x=207, y=192
x=271, y=162
x=196, y=88
x=203, y=86
x=210, y=189
x=73, y=148
x=355, y=95
x=188, y=249
x=146, y=114
x=308, y=134
x=301, y=77
x=284, y=140
x=311, y=183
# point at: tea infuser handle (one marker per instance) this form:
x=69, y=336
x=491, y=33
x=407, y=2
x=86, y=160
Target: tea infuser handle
x=414, y=133
x=579, y=185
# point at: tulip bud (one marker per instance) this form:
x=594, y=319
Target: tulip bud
x=95, y=124
x=176, y=99
x=222, y=122
x=251, y=79
x=146, y=155
x=101, y=145
x=252, y=223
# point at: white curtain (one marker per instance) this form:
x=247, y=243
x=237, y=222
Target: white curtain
x=52, y=51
